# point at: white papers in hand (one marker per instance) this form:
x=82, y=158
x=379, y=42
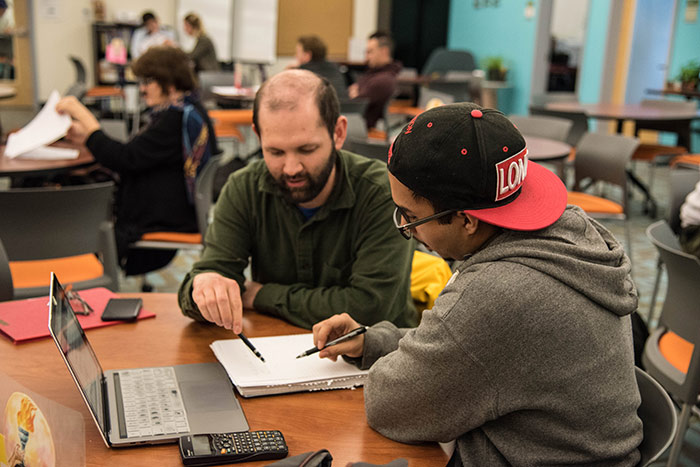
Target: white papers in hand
x=50, y=153
x=281, y=365
x=47, y=127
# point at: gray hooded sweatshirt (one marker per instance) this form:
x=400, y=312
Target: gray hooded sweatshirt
x=525, y=359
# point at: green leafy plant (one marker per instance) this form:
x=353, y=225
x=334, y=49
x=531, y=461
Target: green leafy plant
x=690, y=73
x=495, y=68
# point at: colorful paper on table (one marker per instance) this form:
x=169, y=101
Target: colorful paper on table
x=24, y=320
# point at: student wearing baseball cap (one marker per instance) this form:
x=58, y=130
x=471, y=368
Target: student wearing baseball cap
x=526, y=357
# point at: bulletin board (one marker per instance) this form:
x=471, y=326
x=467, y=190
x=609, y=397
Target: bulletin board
x=330, y=20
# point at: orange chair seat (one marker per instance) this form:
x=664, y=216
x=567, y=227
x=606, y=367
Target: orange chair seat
x=692, y=159
x=70, y=269
x=594, y=204
x=676, y=350
x=179, y=237
x=647, y=152
x=373, y=133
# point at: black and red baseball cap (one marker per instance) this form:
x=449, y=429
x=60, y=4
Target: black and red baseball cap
x=473, y=159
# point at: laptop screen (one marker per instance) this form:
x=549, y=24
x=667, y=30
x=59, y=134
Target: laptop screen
x=77, y=353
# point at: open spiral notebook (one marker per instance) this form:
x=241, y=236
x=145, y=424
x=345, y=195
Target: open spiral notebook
x=282, y=372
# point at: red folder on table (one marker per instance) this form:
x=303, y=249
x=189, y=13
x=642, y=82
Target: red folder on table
x=24, y=320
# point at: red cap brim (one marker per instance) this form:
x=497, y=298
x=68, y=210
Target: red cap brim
x=541, y=202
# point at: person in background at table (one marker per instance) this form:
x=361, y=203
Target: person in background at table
x=204, y=54
x=378, y=83
x=158, y=166
x=149, y=35
x=314, y=220
x=526, y=358
x=310, y=55
x=690, y=222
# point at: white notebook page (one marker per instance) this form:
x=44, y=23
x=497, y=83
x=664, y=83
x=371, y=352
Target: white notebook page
x=281, y=365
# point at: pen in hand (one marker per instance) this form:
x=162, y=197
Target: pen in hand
x=251, y=346
x=348, y=336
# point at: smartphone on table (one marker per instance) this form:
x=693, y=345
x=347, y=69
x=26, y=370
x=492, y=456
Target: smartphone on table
x=122, y=309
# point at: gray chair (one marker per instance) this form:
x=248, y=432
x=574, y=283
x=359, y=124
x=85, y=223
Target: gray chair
x=6, y=288
x=658, y=415
x=357, y=128
x=353, y=106
x=681, y=182
x=603, y=158
x=372, y=149
x=208, y=79
x=579, y=119
x=680, y=317
x=544, y=127
x=70, y=226
x=203, y=200
x=442, y=62
x=79, y=88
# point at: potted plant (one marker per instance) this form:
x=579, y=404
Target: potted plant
x=495, y=68
x=690, y=75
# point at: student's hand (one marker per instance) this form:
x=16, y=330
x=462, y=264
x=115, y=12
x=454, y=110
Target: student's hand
x=353, y=91
x=334, y=327
x=251, y=291
x=219, y=300
x=84, y=122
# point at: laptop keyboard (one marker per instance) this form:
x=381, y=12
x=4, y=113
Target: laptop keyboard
x=152, y=403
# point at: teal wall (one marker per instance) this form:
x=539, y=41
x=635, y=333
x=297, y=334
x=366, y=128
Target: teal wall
x=686, y=41
x=505, y=31
x=500, y=31
x=594, y=51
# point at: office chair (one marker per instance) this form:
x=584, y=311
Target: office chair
x=79, y=88
x=672, y=351
x=353, y=106
x=543, y=126
x=658, y=415
x=604, y=158
x=681, y=182
x=579, y=119
x=442, y=62
x=208, y=79
x=203, y=200
x=6, y=288
x=67, y=230
x=649, y=153
x=373, y=149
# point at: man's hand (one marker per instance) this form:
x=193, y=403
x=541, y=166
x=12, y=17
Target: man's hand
x=84, y=122
x=251, y=291
x=353, y=91
x=219, y=300
x=333, y=328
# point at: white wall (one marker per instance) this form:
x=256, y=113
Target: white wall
x=69, y=32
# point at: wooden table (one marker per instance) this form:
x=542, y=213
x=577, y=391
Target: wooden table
x=334, y=420
x=19, y=167
x=666, y=119
x=548, y=150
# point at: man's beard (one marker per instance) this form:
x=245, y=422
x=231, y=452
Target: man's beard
x=315, y=183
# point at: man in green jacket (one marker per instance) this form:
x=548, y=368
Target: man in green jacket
x=314, y=220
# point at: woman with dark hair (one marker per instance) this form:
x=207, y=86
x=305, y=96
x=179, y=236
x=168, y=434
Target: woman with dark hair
x=204, y=54
x=156, y=169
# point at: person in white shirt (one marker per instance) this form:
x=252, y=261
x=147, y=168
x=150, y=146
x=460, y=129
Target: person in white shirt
x=149, y=35
x=690, y=222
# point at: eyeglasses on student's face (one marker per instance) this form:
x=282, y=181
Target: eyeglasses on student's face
x=405, y=229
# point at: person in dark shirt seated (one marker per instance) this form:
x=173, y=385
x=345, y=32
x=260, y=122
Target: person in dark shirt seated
x=310, y=55
x=157, y=167
x=378, y=83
